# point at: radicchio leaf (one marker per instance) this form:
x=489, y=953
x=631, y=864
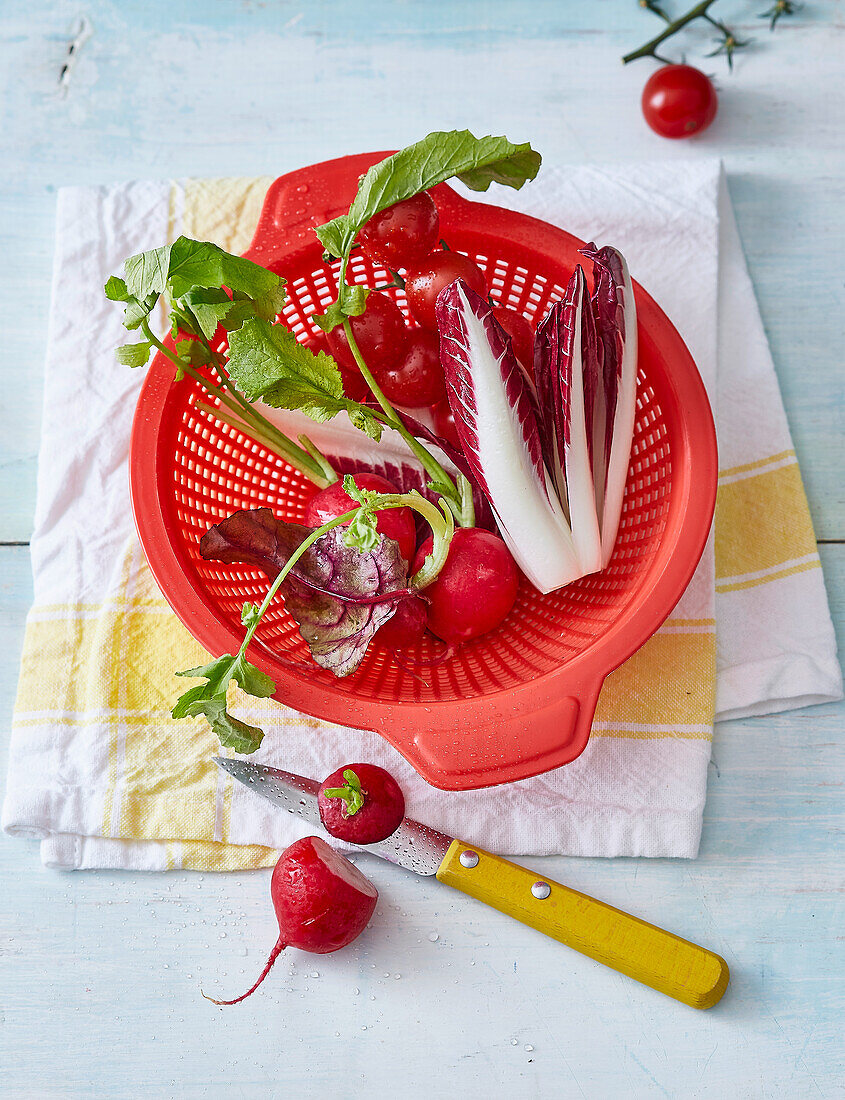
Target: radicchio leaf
x=338, y=595
x=566, y=370
x=476, y=354
x=496, y=419
x=615, y=403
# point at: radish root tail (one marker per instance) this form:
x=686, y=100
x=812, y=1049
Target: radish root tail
x=274, y=954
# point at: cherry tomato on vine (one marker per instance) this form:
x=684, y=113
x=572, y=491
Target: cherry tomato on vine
x=417, y=378
x=379, y=333
x=679, y=101
x=519, y=329
x=444, y=422
x=403, y=234
x=424, y=283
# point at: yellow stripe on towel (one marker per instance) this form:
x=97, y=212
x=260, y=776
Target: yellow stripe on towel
x=763, y=526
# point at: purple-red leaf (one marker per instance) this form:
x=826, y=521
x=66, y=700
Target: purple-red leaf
x=478, y=361
x=615, y=400
x=566, y=370
x=338, y=595
x=496, y=419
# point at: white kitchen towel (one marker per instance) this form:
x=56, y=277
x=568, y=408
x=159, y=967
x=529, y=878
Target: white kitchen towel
x=101, y=775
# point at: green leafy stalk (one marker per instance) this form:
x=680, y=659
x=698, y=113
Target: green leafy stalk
x=250, y=420
x=477, y=162
x=430, y=464
x=206, y=287
x=443, y=155
x=209, y=699
x=651, y=47
x=350, y=792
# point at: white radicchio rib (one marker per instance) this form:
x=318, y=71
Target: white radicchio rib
x=616, y=400
x=553, y=461
x=496, y=419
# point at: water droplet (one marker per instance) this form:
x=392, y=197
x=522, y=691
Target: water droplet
x=514, y=1042
x=356, y=990
x=221, y=936
x=397, y=977
x=528, y=1047
x=315, y=973
x=166, y=966
x=434, y=936
x=363, y=1027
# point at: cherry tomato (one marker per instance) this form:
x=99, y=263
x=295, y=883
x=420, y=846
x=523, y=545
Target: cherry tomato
x=678, y=101
x=474, y=590
x=393, y=523
x=379, y=334
x=354, y=386
x=403, y=234
x=444, y=422
x=424, y=283
x=417, y=378
x=522, y=335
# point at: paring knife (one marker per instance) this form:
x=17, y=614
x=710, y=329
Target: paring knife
x=650, y=955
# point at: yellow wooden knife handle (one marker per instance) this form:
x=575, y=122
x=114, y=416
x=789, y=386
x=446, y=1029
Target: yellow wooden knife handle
x=649, y=954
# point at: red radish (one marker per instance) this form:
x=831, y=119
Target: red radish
x=424, y=283
x=393, y=523
x=406, y=626
x=379, y=333
x=322, y=902
x=404, y=233
x=474, y=590
x=417, y=378
x=522, y=335
x=361, y=803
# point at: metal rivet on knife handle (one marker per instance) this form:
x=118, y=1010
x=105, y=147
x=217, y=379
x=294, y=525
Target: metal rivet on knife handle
x=469, y=859
x=541, y=890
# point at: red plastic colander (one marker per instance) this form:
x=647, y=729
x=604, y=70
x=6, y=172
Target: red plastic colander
x=520, y=700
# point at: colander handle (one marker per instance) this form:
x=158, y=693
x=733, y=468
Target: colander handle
x=517, y=734
x=649, y=954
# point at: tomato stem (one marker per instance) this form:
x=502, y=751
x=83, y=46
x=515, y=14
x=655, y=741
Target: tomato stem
x=650, y=48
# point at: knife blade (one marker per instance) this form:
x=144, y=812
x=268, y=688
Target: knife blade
x=414, y=846
x=649, y=954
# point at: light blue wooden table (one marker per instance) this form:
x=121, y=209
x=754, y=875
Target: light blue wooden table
x=99, y=972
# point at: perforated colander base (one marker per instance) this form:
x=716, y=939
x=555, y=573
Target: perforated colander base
x=217, y=470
